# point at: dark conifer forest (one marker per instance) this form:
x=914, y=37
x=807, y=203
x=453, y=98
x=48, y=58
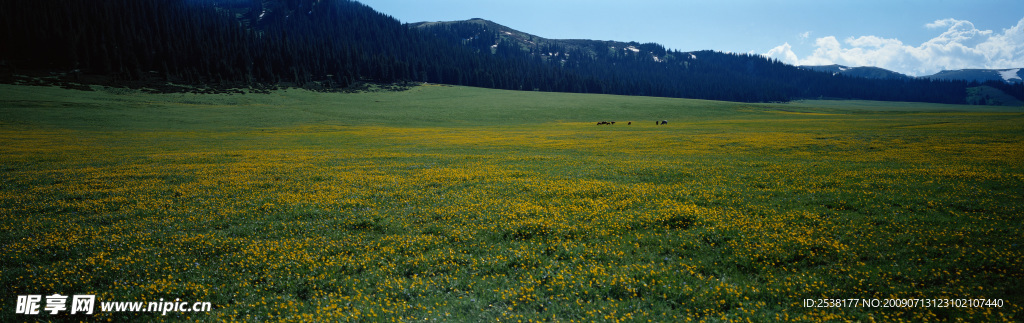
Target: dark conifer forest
x=334, y=44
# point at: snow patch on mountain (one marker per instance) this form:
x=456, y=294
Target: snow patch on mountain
x=1010, y=74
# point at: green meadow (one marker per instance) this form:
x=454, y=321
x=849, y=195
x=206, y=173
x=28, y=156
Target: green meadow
x=464, y=204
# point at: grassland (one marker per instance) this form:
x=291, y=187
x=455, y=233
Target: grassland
x=464, y=204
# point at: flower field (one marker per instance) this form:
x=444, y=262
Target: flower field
x=458, y=204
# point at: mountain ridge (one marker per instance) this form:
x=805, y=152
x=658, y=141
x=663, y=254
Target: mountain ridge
x=527, y=40
x=1008, y=75
x=860, y=71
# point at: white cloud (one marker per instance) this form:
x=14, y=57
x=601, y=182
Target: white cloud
x=941, y=23
x=805, y=35
x=784, y=53
x=960, y=46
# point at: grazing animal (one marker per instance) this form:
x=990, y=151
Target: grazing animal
x=629, y=123
x=604, y=122
x=664, y=121
x=613, y=122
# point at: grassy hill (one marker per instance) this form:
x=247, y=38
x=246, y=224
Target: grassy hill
x=466, y=204
x=991, y=96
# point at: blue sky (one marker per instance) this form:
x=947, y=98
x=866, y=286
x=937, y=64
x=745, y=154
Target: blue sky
x=913, y=37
